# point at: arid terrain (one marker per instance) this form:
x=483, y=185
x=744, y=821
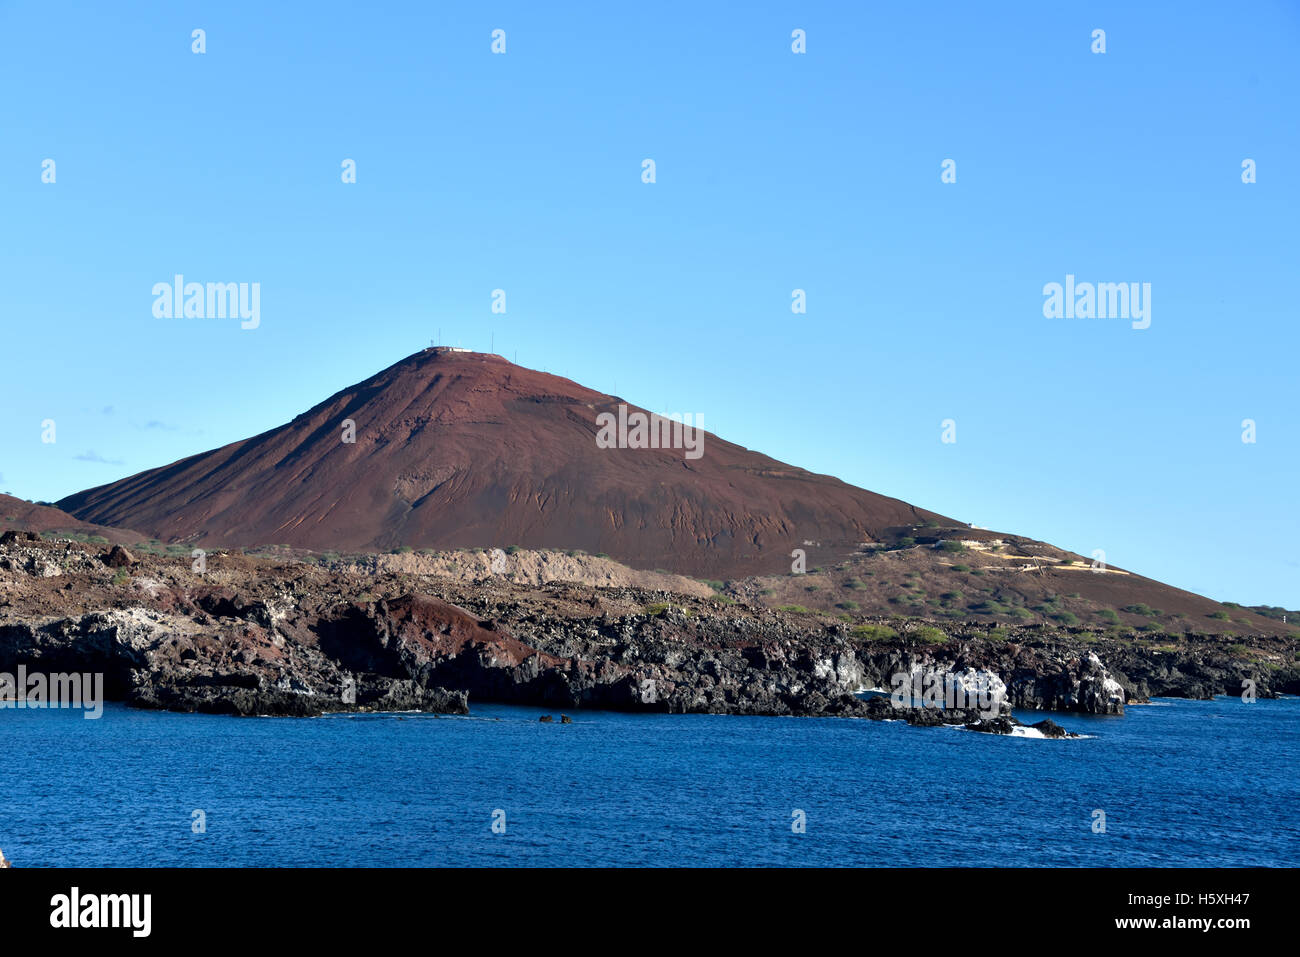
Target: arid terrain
x=466, y=449
x=450, y=531
x=306, y=634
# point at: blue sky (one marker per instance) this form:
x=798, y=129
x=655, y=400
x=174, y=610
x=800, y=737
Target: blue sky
x=775, y=171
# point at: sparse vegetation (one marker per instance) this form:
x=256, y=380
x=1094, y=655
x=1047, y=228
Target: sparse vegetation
x=874, y=632
x=928, y=635
x=1142, y=609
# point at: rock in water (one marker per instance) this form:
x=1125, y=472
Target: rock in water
x=1050, y=729
x=565, y=719
x=546, y=719
x=3, y=862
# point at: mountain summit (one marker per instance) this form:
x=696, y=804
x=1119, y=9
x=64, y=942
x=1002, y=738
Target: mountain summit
x=461, y=449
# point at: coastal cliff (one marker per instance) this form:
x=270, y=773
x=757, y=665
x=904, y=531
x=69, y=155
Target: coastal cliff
x=258, y=636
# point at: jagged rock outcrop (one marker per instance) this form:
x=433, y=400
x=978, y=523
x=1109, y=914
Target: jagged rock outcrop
x=1082, y=684
x=254, y=636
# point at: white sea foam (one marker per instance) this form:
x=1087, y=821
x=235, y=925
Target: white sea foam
x=1023, y=731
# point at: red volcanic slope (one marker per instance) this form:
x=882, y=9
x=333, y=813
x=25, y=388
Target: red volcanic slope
x=16, y=513
x=459, y=449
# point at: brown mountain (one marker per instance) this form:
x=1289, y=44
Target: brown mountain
x=458, y=449
x=21, y=515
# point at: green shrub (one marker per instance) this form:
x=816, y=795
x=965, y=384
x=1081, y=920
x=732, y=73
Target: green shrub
x=1142, y=609
x=930, y=636
x=797, y=609
x=874, y=632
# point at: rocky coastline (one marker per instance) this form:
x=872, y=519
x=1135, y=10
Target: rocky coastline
x=249, y=636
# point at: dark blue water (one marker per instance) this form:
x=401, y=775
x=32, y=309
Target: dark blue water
x=1181, y=783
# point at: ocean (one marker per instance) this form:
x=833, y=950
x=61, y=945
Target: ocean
x=1180, y=783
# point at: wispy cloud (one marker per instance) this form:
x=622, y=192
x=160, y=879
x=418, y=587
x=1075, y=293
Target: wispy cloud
x=92, y=456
